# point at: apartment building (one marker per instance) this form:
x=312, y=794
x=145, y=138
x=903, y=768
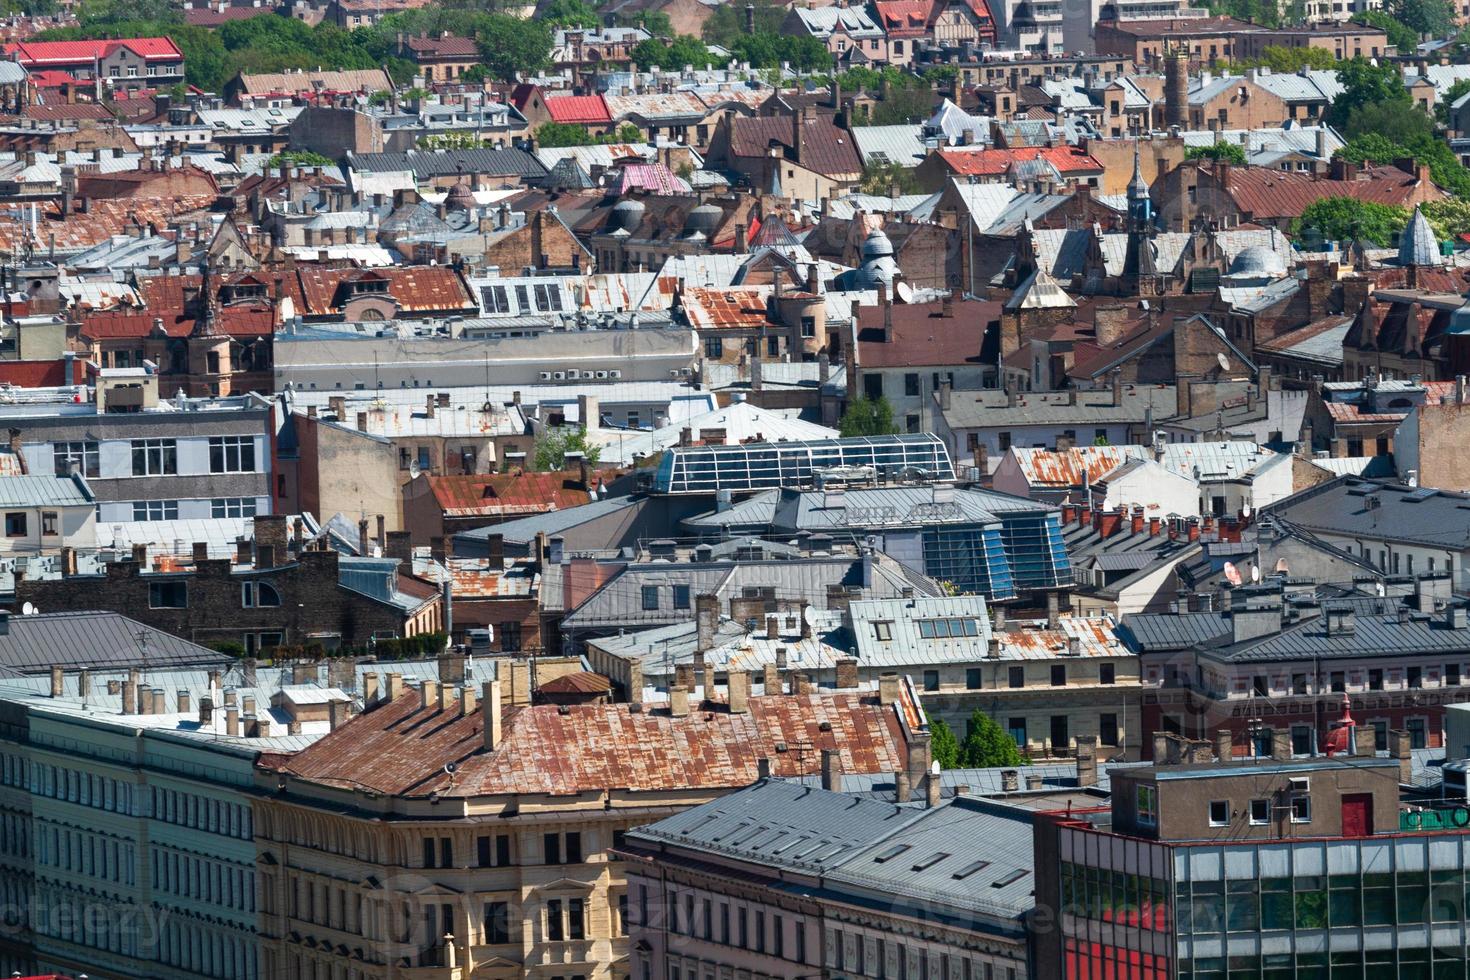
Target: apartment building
x=145, y=458
x=1290, y=659
x=499, y=857
x=835, y=884
x=1276, y=866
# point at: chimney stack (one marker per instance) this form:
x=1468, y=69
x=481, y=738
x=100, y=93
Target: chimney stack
x=490, y=709
x=831, y=770
x=931, y=790
x=678, y=701
x=738, y=686
x=56, y=679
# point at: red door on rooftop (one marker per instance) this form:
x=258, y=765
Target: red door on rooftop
x=1357, y=815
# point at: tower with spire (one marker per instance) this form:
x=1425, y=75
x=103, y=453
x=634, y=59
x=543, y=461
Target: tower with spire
x=208, y=346
x=1141, y=276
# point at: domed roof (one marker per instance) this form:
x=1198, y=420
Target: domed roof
x=704, y=220
x=876, y=245
x=1258, y=260
x=1417, y=245
x=461, y=198
x=627, y=215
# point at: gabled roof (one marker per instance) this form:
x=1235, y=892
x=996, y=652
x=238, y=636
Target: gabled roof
x=578, y=109
x=520, y=493
x=825, y=148
x=41, y=54
x=1068, y=160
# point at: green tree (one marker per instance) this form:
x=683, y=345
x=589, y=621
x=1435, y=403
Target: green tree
x=726, y=25
x=299, y=158
x=943, y=745
x=552, y=448
x=1434, y=18
x=766, y=50
x=1363, y=84
x=1450, y=218
x=1401, y=36
x=1423, y=147
x=451, y=141
x=553, y=134
x=986, y=745
x=509, y=45
x=1290, y=60
x=569, y=13
x=1223, y=152
x=672, y=55
x=866, y=417
x=1347, y=218
x=881, y=178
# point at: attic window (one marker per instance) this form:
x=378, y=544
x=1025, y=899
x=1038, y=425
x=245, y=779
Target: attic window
x=930, y=861
x=890, y=854
x=883, y=631
x=1009, y=879
x=970, y=869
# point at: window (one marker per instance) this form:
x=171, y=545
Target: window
x=429, y=852
x=510, y=636
x=50, y=522
x=554, y=930
x=808, y=326
x=931, y=680
x=497, y=923
x=1451, y=675
x=1298, y=683
x=972, y=678
x=1017, y=729
x=681, y=597
x=83, y=454
x=650, y=597
x=911, y=385
x=1417, y=737
x=155, y=510
x=573, y=848
x=1337, y=680
x=1106, y=673
x=1259, y=687
x=1146, y=805
x=155, y=457
x=494, y=299
x=482, y=851
x=1416, y=677
x=168, y=595
x=548, y=298
x=1016, y=676
x=1219, y=813
x=714, y=348
x=883, y=631
x=15, y=524
x=1301, y=808
x=1059, y=675
x=232, y=507
x=1107, y=728
x=576, y=925
x=1375, y=680
x=1060, y=736
x=1260, y=812
x=552, y=844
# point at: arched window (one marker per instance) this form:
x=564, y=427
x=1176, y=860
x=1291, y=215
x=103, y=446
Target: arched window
x=266, y=595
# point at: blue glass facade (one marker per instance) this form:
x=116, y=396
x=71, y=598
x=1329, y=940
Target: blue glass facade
x=772, y=465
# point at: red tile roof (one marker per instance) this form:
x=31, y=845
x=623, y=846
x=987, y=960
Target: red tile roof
x=578, y=109
x=43, y=53
x=580, y=682
x=416, y=288
x=507, y=493
x=443, y=47
x=75, y=110
x=904, y=18
x=401, y=748
x=996, y=162
x=1266, y=193
x=102, y=220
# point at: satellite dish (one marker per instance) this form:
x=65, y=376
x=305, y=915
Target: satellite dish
x=1255, y=573
x=1232, y=574
x=809, y=616
x=413, y=469
x=1245, y=510
x=934, y=767
x=450, y=768
x=904, y=292
x=1222, y=360
x=28, y=610
x=1281, y=567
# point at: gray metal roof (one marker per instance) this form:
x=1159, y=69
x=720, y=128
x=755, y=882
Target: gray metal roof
x=450, y=162
x=96, y=641
x=1171, y=631
x=45, y=491
x=1381, y=511
x=905, y=644
x=988, y=409
x=524, y=531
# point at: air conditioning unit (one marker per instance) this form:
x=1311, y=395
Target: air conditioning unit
x=545, y=375
x=615, y=374
x=558, y=375
x=602, y=375
x=1299, y=784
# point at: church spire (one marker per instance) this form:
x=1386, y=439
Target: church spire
x=204, y=318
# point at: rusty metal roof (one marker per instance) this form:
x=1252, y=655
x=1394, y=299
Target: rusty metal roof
x=401, y=747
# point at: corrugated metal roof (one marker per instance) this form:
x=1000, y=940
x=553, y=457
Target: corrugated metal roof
x=44, y=491
x=94, y=640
